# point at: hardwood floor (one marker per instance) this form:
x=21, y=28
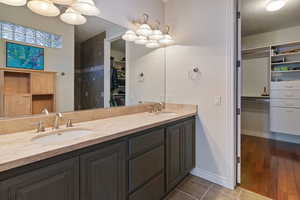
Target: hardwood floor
x=271, y=168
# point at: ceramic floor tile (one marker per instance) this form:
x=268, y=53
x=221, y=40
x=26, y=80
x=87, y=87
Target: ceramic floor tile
x=194, y=189
x=227, y=192
x=198, y=180
x=178, y=195
x=214, y=194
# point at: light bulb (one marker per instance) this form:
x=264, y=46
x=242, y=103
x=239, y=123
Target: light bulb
x=14, y=2
x=152, y=44
x=73, y=17
x=141, y=40
x=63, y=2
x=275, y=5
x=144, y=30
x=166, y=40
x=43, y=7
x=129, y=36
x=156, y=35
x=86, y=7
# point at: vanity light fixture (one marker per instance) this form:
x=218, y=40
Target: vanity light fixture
x=274, y=5
x=130, y=36
x=156, y=33
x=145, y=35
x=144, y=29
x=63, y=2
x=167, y=38
x=43, y=7
x=73, y=17
x=75, y=9
x=14, y=2
x=86, y=7
x=152, y=44
x=141, y=40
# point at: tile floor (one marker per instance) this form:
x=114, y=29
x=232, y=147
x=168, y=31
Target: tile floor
x=194, y=188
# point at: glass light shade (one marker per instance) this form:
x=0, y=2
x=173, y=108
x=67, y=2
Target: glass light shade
x=73, y=17
x=86, y=7
x=153, y=44
x=144, y=30
x=141, y=40
x=129, y=36
x=63, y=2
x=43, y=7
x=166, y=40
x=156, y=35
x=14, y=2
x=275, y=5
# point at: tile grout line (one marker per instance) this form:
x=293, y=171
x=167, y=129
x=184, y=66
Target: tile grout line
x=191, y=196
x=205, y=193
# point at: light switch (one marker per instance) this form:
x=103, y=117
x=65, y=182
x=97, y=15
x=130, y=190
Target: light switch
x=218, y=100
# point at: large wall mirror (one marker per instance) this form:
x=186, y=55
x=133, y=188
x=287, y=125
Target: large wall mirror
x=46, y=64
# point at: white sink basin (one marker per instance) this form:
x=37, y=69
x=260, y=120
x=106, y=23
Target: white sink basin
x=164, y=113
x=61, y=135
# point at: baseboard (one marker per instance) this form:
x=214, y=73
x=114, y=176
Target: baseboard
x=212, y=177
x=274, y=136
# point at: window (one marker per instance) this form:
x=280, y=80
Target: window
x=19, y=33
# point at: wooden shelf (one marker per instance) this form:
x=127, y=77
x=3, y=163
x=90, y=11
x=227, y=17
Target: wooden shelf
x=285, y=54
x=286, y=71
x=285, y=63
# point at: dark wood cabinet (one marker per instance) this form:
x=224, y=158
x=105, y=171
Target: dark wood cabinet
x=59, y=181
x=180, y=158
x=142, y=166
x=103, y=173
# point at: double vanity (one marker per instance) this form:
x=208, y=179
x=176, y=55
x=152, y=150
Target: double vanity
x=138, y=155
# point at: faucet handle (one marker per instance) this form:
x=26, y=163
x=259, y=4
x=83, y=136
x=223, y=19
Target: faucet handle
x=70, y=123
x=40, y=126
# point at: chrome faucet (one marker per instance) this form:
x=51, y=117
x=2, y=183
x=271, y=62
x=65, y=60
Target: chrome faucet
x=45, y=111
x=40, y=127
x=58, y=116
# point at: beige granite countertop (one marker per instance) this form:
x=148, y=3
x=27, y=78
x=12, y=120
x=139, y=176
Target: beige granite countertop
x=18, y=149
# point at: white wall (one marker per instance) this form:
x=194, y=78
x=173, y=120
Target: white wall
x=265, y=39
x=58, y=60
x=150, y=62
x=255, y=76
x=255, y=117
x=204, y=33
x=122, y=12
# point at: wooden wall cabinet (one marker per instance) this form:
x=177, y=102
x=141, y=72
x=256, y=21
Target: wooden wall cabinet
x=25, y=92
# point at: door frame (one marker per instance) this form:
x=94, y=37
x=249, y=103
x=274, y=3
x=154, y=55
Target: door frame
x=107, y=54
x=238, y=91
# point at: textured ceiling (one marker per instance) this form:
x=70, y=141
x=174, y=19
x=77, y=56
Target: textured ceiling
x=255, y=19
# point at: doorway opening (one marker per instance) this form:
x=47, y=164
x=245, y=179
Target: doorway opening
x=268, y=97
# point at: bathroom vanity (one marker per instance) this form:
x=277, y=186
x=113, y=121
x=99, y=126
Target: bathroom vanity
x=144, y=161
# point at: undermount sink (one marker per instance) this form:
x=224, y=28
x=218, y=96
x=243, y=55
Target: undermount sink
x=61, y=135
x=165, y=113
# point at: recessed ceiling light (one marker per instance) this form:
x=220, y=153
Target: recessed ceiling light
x=275, y=5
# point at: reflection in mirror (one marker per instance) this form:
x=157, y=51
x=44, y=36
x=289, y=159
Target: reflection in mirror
x=47, y=65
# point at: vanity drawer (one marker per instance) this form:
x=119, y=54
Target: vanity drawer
x=288, y=103
x=145, y=142
x=294, y=85
x=144, y=167
x=154, y=190
x=285, y=94
x=285, y=120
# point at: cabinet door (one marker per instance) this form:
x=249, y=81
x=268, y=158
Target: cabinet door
x=42, y=83
x=188, y=146
x=103, y=173
x=55, y=182
x=174, y=155
x=16, y=104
